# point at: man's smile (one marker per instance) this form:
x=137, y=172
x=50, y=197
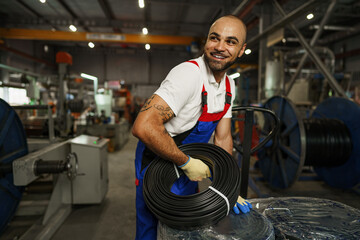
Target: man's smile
x=217, y=55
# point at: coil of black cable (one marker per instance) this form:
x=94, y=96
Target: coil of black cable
x=200, y=209
x=328, y=142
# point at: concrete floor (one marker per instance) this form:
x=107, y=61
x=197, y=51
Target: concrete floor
x=115, y=217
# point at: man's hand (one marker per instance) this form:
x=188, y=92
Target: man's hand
x=242, y=205
x=195, y=169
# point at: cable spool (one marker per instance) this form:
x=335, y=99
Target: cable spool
x=329, y=141
x=12, y=146
x=201, y=209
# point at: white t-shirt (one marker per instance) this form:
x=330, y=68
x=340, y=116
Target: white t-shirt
x=182, y=88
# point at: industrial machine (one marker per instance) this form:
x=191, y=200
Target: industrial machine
x=327, y=139
x=79, y=167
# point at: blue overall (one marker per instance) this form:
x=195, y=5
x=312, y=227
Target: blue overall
x=146, y=222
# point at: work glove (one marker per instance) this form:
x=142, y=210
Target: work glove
x=242, y=205
x=195, y=169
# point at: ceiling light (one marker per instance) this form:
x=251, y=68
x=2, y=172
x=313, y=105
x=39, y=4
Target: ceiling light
x=42, y=1
x=145, y=31
x=283, y=40
x=141, y=3
x=247, y=51
x=147, y=46
x=235, y=75
x=91, y=45
x=72, y=28
x=310, y=16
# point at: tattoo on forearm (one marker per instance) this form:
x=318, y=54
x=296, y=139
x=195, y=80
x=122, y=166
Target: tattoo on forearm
x=147, y=104
x=165, y=113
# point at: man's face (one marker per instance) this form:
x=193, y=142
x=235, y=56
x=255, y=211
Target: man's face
x=225, y=43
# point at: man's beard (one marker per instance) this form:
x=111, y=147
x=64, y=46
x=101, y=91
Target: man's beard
x=215, y=66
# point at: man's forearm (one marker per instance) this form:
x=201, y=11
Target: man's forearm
x=158, y=140
x=149, y=128
x=225, y=143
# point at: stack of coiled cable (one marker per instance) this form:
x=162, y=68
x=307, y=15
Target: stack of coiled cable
x=200, y=209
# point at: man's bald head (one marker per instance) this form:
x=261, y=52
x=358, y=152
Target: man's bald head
x=232, y=19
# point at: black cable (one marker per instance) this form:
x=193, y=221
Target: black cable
x=200, y=209
x=328, y=142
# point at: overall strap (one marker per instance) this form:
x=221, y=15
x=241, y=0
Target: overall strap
x=194, y=62
x=228, y=91
x=207, y=117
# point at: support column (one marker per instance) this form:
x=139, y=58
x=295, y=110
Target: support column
x=264, y=53
x=4, y=75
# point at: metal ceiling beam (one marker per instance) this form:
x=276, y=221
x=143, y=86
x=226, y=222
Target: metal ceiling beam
x=105, y=6
x=331, y=80
x=28, y=34
x=285, y=20
x=240, y=7
x=32, y=11
x=72, y=13
x=340, y=35
x=61, y=22
x=314, y=39
x=212, y=3
x=248, y=8
x=332, y=28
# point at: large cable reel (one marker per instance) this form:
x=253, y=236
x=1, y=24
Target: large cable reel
x=12, y=146
x=329, y=141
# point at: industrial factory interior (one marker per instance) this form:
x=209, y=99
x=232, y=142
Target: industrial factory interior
x=179, y=119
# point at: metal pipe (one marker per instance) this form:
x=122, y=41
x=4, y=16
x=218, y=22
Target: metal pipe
x=333, y=28
x=12, y=69
x=284, y=21
x=239, y=8
x=332, y=81
x=314, y=39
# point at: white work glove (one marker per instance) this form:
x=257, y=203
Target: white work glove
x=242, y=205
x=195, y=169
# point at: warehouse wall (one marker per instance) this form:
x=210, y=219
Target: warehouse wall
x=30, y=48
x=134, y=66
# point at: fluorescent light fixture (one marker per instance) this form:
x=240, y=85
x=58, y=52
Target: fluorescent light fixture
x=87, y=76
x=141, y=3
x=91, y=45
x=235, y=75
x=310, y=16
x=247, y=51
x=72, y=28
x=147, y=46
x=42, y=1
x=95, y=79
x=145, y=31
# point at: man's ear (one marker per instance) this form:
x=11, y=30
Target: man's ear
x=242, y=50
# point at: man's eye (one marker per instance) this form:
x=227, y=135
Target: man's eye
x=213, y=38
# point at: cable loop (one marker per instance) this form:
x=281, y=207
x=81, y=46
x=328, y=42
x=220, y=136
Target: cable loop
x=200, y=209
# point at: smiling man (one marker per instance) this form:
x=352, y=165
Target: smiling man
x=193, y=101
